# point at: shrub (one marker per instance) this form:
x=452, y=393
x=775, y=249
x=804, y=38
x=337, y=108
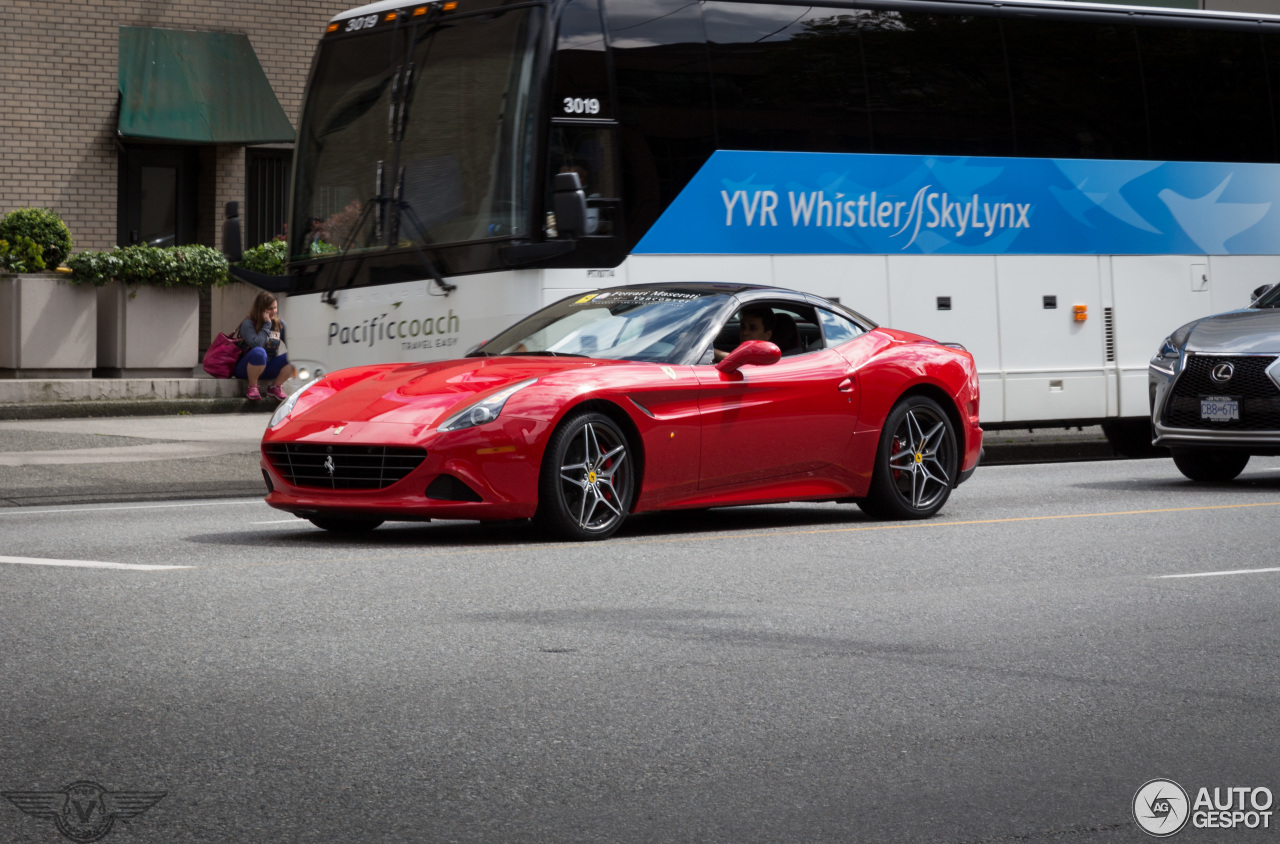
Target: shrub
x=44, y=227
x=22, y=255
x=269, y=258
x=171, y=266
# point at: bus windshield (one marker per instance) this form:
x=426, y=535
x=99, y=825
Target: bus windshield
x=416, y=134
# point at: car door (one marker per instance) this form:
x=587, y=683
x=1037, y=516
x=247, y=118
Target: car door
x=791, y=417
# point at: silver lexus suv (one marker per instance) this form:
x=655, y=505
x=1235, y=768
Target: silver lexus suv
x=1215, y=390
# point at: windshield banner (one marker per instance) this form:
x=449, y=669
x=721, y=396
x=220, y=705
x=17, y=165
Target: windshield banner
x=835, y=203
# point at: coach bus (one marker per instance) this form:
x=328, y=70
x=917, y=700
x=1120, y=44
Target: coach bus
x=1054, y=185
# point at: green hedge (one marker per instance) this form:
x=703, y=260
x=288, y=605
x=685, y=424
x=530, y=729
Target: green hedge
x=268, y=258
x=44, y=227
x=171, y=266
x=22, y=255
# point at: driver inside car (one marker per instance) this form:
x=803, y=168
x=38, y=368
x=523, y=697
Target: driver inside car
x=754, y=324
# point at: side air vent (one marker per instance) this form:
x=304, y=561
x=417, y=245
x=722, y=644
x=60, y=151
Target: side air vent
x=449, y=488
x=1109, y=328
x=342, y=466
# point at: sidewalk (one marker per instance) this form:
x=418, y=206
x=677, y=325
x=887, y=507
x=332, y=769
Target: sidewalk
x=80, y=441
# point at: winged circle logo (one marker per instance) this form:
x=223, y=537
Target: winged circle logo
x=84, y=811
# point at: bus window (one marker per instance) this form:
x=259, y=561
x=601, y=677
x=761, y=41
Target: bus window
x=588, y=151
x=664, y=102
x=582, y=73
x=785, y=80
x=938, y=84
x=1059, y=117
x=460, y=174
x=344, y=150
x=1204, y=92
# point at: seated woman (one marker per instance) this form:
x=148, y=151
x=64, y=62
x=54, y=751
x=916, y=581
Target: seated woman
x=263, y=339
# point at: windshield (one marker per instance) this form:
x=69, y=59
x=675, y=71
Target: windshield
x=658, y=326
x=416, y=134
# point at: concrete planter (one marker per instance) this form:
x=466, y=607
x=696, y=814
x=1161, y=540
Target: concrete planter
x=147, y=332
x=48, y=327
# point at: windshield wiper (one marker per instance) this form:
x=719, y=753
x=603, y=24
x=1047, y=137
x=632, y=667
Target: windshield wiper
x=550, y=354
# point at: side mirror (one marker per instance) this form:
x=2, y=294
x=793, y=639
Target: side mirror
x=754, y=352
x=1259, y=292
x=569, y=204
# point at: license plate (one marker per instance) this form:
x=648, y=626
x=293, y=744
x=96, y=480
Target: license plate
x=1220, y=408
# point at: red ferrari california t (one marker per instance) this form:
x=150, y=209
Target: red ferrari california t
x=633, y=399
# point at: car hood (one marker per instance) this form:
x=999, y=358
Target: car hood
x=422, y=394
x=1237, y=332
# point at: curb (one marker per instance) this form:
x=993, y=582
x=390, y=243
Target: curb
x=126, y=407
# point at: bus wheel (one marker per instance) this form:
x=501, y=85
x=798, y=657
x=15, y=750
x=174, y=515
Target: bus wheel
x=916, y=462
x=588, y=479
x=1132, y=438
x=338, y=525
x=1209, y=464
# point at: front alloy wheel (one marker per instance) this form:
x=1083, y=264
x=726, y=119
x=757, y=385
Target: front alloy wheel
x=587, y=478
x=916, y=463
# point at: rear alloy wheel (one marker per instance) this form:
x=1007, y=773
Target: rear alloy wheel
x=340, y=525
x=916, y=463
x=1212, y=465
x=588, y=479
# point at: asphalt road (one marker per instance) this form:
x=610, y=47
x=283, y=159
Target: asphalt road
x=1012, y=670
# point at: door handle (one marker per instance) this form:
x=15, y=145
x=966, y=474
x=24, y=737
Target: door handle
x=845, y=386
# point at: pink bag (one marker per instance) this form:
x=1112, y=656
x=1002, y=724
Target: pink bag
x=221, y=358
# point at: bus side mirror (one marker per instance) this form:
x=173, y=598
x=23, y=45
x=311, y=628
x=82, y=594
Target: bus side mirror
x=569, y=204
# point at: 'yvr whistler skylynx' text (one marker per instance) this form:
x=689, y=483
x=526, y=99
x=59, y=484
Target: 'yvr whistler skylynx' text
x=930, y=210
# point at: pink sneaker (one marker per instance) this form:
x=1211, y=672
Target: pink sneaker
x=252, y=394
x=276, y=392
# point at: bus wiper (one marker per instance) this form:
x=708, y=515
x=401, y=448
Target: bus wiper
x=406, y=208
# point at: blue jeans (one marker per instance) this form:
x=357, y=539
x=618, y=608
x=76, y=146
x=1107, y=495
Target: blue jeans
x=258, y=357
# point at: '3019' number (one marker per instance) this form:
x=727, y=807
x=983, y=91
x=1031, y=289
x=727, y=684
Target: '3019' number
x=578, y=105
x=363, y=22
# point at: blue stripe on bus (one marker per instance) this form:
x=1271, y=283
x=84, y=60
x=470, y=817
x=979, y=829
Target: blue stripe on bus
x=793, y=203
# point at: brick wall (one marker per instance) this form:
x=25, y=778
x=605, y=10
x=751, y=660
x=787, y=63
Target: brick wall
x=59, y=86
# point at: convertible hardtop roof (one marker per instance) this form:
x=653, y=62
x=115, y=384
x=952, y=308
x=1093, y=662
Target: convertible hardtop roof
x=736, y=289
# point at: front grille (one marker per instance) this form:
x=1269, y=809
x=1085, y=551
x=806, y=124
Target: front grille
x=1259, y=396
x=342, y=466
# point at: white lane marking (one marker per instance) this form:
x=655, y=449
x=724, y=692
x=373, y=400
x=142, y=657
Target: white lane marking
x=1217, y=573
x=71, y=508
x=86, y=564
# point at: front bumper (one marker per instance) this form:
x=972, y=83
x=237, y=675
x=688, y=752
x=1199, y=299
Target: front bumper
x=1163, y=385
x=495, y=467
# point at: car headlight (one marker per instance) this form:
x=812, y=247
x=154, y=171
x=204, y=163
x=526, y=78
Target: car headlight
x=286, y=406
x=485, y=410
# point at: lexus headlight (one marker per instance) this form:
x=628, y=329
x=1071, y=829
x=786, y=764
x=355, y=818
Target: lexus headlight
x=485, y=410
x=286, y=406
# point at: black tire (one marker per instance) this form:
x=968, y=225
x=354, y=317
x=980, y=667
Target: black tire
x=1211, y=465
x=588, y=479
x=335, y=524
x=916, y=462
x=1132, y=438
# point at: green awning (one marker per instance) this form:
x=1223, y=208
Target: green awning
x=196, y=87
